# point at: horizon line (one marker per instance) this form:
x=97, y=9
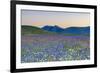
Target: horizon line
x=57, y=26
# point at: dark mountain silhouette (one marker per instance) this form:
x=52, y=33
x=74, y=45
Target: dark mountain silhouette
x=77, y=30
x=53, y=28
x=70, y=30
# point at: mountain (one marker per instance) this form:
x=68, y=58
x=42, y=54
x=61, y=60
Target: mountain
x=70, y=30
x=77, y=30
x=25, y=29
x=53, y=28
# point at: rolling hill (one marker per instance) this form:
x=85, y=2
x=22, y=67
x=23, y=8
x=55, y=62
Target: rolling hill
x=77, y=30
x=25, y=29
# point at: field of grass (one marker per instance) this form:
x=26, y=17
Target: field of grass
x=46, y=48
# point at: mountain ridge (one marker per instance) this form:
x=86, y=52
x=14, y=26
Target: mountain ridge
x=55, y=30
x=72, y=30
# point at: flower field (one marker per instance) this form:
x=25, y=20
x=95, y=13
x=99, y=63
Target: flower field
x=47, y=48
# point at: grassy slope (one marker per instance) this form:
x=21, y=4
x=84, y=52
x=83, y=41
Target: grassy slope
x=33, y=30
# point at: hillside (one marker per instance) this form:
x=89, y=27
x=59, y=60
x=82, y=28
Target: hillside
x=55, y=30
x=33, y=30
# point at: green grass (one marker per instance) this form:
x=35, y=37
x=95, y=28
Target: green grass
x=33, y=30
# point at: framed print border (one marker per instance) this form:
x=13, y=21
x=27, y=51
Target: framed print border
x=13, y=35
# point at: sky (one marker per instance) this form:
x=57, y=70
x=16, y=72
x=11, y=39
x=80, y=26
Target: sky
x=51, y=18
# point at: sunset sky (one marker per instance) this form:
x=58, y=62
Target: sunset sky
x=52, y=18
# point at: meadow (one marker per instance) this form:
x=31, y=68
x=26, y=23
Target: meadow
x=47, y=48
